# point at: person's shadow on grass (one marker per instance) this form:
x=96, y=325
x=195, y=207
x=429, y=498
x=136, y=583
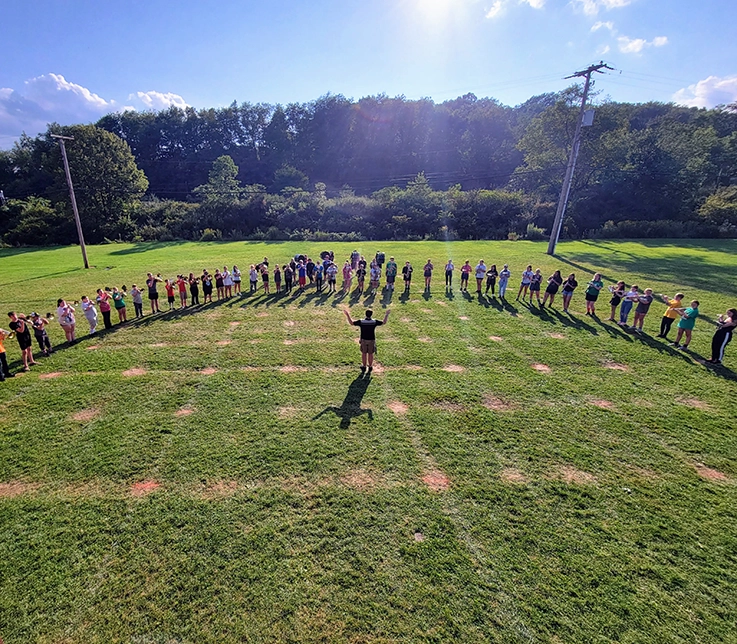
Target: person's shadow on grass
x=351, y=405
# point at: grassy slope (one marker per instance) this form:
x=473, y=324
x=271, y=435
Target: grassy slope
x=287, y=512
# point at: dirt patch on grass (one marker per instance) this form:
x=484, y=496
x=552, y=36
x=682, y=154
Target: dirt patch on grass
x=454, y=368
x=223, y=343
x=498, y=404
x=289, y=343
x=378, y=368
x=86, y=415
x=513, y=475
x=218, y=489
x=405, y=320
x=463, y=317
x=426, y=310
x=602, y=404
x=496, y=338
x=290, y=368
x=287, y=412
x=11, y=489
x=256, y=341
x=50, y=375
x=361, y=480
x=263, y=314
x=571, y=475
x=557, y=336
x=289, y=323
x=695, y=402
x=134, y=371
x=143, y=488
x=208, y=371
x=399, y=408
x=441, y=303
x=93, y=347
x=413, y=367
x=234, y=323
x=160, y=344
x=542, y=368
x=184, y=411
x=250, y=369
x=709, y=473
x=436, y=480
x=419, y=537
x=616, y=366
x=644, y=473
x=424, y=339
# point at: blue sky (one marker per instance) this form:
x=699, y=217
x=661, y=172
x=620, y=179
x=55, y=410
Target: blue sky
x=75, y=60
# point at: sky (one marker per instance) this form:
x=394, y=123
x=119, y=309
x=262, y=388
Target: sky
x=72, y=61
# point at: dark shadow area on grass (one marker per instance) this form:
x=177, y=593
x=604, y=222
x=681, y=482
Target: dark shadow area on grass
x=350, y=408
x=427, y=295
x=509, y=308
x=449, y=294
x=387, y=299
x=318, y=298
x=404, y=297
x=144, y=247
x=42, y=277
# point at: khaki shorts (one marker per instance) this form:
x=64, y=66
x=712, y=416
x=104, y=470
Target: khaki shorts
x=368, y=346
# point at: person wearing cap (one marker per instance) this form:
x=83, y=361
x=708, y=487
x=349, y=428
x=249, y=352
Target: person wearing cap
x=39, y=331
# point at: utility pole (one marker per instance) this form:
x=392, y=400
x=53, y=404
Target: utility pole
x=71, y=194
x=568, y=179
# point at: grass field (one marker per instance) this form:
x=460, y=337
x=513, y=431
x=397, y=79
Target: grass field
x=505, y=475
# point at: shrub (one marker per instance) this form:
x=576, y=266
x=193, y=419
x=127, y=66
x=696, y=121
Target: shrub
x=513, y=236
x=210, y=234
x=534, y=233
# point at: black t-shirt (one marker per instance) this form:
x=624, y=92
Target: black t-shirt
x=26, y=333
x=368, y=328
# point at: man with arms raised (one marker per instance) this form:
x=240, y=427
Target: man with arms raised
x=368, y=336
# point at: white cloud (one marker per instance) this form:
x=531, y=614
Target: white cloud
x=592, y=7
x=603, y=25
x=158, y=100
x=636, y=45
x=496, y=9
x=708, y=92
x=51, y=98
x=535, y=4
x=604, y=49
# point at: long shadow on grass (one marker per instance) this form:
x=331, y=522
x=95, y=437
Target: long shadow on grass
x=350, y=408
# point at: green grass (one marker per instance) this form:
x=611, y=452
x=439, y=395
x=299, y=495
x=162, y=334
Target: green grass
x=292, y=502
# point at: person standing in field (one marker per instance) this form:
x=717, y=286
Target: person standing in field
x=19, y=324
x=480, y=274
x=407, y=275
x=347, y=277
x=182, y=289
x=504, y=276
x=427, y=272
x=137, y=295
x=617, y=295
x=277, y=279
x=153, y=293
x=219, y=285
x=449, y=268
x=527, y=276
x=361, y=276
x=103, y=302
x=630, y=297
x=592, y=293
x=301, y=275
x=227, y=282
x=465, y=272
x=723, y=335
x=194, y=290
x=119, y=304
x=265, y=279
x=4, y=367
x=331, y=271
x=368, y=336
x=671, y=313
x=535, y=282
x=206, y=287
x=236, y=276
x=288, y=278
x=320, y=276
x=491, y=276
x=686, y=325
x=90, y=313
x=391, y=274
x=39, y=331
x=554, y=283
x=374, y=277
x=253, y=278
x=643, y=306
x=568, y=287
x=169, y=288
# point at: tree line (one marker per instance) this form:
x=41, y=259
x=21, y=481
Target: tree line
x=379, y=167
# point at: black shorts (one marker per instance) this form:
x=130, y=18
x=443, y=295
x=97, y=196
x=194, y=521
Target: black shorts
x=390, y=279
x=24, y=341
x=535, y=288
x=552, y=289
x=153, y=295
x=592, y=298
x=170, y=299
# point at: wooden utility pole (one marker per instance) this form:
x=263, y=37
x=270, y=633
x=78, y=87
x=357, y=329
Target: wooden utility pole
x=71, y=194
x=568, y=179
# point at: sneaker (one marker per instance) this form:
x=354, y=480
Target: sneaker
x=680, y=347
x=363, y=368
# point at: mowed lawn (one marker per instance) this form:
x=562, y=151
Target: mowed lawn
x=224, y=474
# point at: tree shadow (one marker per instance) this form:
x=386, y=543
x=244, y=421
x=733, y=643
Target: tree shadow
x=43, y=277
x=350, y=408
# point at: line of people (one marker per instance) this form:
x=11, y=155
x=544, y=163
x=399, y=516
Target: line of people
x=301, y=271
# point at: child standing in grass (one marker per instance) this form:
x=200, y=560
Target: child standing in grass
x=554, y=283
x=374, y=277
x=236, y=276
x=265, y=278
x=153, y=293
x=617, y=295
x=527, y=276
x=219, y=285
x=347, y=277
x=4, y=368
x=535, y=282
x=90, y=313
x=253, y=278
x=277, y=279
x=643, y=306
x=671, y=313
x=480, y=274
x=503, y=281
x=182, y=288
x=630, y=297
x=723, y=335
x=137, y=295
x=491, y=276
x=449, y=268
x=331, y=271
x=465, y=272
x=361, y=276
x=39, y=331
x=169, y=288
x=407, y=275
x=686, y=324
x=592, y=293
x=568, y=287
x=103, y=301
x=19, y=324
x=194, y=289
x=206, y=287
x=119, y=303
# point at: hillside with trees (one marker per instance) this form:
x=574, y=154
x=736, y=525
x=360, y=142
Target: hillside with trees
x=378, y=168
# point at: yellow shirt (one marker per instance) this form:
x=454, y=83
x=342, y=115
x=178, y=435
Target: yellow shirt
x=2, y=339
x=671, y=312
